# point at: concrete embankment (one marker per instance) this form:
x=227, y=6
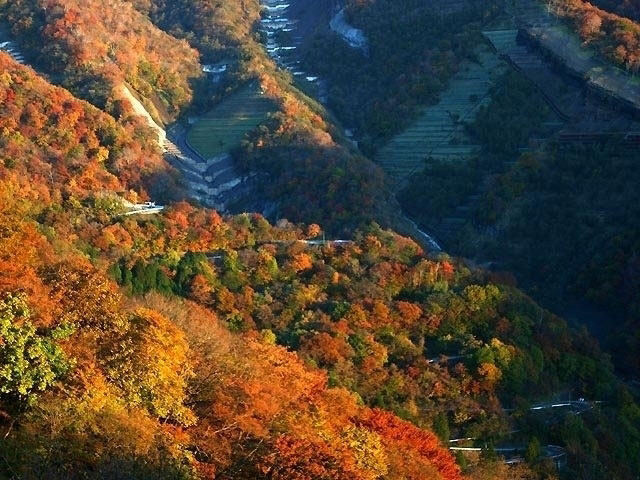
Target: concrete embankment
x=353, y=36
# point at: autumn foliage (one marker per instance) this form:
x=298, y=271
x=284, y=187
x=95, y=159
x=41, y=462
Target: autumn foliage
x=150, y=384
x=189, y=344
x=98, y=45
x=69, y=147
x=615, y=36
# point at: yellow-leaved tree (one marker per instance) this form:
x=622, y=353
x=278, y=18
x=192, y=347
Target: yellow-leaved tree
x=150, y=363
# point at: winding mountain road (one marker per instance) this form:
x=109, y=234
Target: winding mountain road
x=552, y=452
x=11, y=49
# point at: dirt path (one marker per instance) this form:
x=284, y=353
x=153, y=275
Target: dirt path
x=139, y=109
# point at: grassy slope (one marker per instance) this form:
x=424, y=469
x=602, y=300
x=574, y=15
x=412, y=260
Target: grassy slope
x=226, y=125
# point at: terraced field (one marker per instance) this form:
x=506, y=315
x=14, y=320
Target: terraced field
x=439, y=131
x=226, y=125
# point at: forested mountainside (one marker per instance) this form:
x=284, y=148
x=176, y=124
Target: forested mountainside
x=92, y=47
x=611, y=29
x=415, y=47
x=175, y=373
x=95, y=383
x=308, y=168
x=537, y=179
x=477, y=194
x=305, y=167
x=526, y=222
x=559, y=210
x=217, y=29
x=141, y=341
x=53, y=140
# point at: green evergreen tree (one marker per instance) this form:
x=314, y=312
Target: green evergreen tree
x=441, y=428
x=533, y=450
x=115, y=272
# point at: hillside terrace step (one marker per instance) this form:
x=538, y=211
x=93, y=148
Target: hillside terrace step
x=221, y=177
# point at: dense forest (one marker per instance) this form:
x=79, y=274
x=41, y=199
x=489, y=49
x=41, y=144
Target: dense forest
x=626, y=8
x=218, y=29
x=150, y=387
x=183, y=352
x=516, y=211
x=92, y=47
x=190, y=344
x=560, y=220
x=67, y=143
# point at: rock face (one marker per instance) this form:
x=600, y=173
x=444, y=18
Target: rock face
x=353, y=36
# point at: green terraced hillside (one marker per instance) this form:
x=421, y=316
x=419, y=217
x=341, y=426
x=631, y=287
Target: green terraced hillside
x=225, y=126
x=439, y=131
